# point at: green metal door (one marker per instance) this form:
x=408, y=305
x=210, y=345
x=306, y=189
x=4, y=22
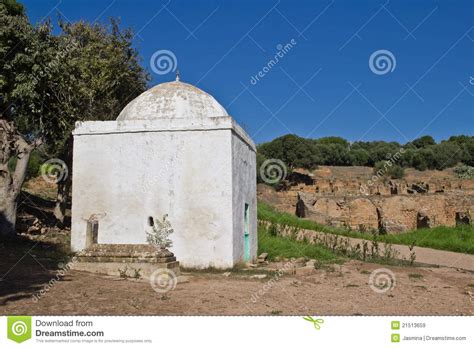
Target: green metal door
x=246, y=234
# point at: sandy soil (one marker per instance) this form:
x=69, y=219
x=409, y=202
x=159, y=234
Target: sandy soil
x=28, y=267
x=337, y=290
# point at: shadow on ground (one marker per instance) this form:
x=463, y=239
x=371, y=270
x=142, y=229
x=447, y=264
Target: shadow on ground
x=26, y=266
x=34, y=206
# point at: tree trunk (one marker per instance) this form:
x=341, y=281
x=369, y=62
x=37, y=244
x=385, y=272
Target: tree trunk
x=7, y=216
x=11, y=191
x=11, y=144
x=62, y=200
x=64, y=185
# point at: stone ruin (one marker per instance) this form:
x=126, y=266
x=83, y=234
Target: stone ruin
x=131, y=260
x=350, y=197
x=125, y=260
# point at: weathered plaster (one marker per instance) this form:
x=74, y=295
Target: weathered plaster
x=172, y=100
x=198, y=170
x=244, y=187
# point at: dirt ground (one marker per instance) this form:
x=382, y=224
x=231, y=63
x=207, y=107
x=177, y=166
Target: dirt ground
x=336, y=290
x=31, y=265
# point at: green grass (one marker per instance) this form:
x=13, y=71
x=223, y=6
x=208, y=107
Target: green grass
x=268, y=213
x=288, y=248
x=415, y=275
x=459, y=238
x=276, y=312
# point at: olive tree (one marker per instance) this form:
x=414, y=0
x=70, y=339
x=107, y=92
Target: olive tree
x=48, y=83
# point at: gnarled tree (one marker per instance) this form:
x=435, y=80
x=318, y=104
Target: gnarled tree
x=19, y=124
x=101, y=74
x=12, y=144
x=48, y=83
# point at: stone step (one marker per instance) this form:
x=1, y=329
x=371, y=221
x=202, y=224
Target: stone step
x=124, y=259
x=143, y=251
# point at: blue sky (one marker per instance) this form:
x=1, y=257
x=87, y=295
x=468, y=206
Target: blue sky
x=323, y=84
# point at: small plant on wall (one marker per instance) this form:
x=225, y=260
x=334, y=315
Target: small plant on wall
x=160, y=232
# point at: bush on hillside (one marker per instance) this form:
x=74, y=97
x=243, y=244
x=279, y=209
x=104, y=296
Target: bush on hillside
x=388, y=169
x=464, y=172
x=422, y=153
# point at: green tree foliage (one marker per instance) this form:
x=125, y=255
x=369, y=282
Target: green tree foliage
x=446, y=154
x=388, y=169
x=423, y=141
x=34, y=164
x=49, y=82
x=291, y=149
x=22, y=103
x=100, y=71
x=359, y=157
x=260, y=159
x=422, y=153
x=99, y=74
x=336, y=153
x=332, y=140
x=466, y=144
x=464, y=172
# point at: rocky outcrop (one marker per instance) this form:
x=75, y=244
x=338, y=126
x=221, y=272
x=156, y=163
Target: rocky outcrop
x=390, y=214
x=352, y=198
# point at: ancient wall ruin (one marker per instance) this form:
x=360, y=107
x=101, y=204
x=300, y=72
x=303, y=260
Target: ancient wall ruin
x=352, y=197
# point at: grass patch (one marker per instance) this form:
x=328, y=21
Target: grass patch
x=237, y=270
x=458, y=239
x=268, y=213
x=288, y=248
x=415, y=275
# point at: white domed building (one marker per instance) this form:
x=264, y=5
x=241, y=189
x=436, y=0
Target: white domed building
x=172, y=150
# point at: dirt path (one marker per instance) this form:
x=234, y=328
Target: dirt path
x=337, y=290
x=426, y=256
x=439, y=257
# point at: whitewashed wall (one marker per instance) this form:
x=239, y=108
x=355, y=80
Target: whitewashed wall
x=125, y=172
x=244, y=191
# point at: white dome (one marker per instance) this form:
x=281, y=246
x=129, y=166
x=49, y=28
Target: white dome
x=172, y=100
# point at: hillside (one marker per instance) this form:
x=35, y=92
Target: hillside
x=352, y=197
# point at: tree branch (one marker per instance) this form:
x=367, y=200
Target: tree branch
x=14, y=144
